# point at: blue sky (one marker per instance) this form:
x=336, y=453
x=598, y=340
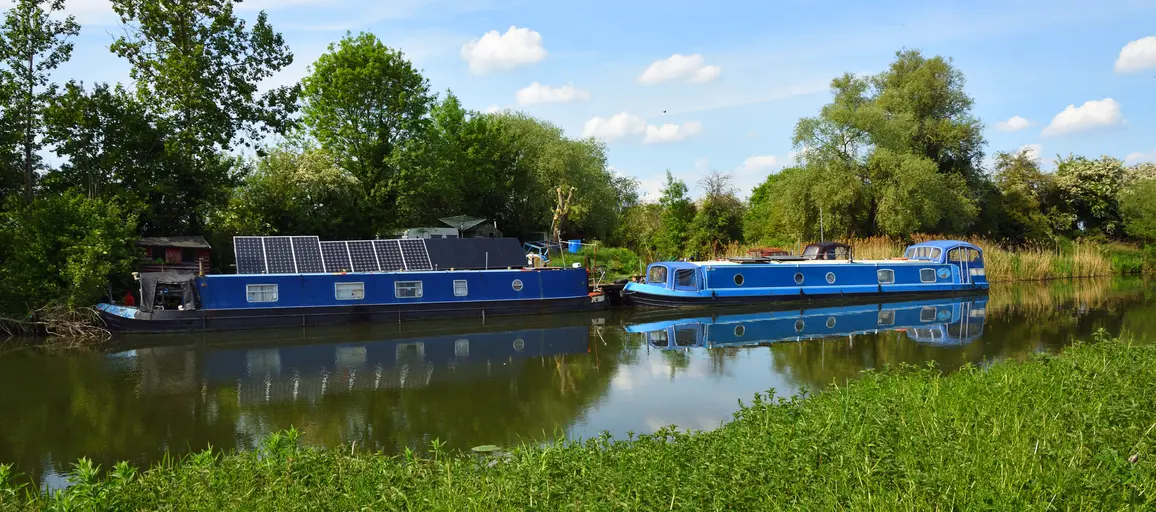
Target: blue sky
x=1072, y=77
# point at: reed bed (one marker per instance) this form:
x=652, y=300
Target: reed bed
x=1074, y=431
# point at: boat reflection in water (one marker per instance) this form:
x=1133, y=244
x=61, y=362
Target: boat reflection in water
x=955, y=321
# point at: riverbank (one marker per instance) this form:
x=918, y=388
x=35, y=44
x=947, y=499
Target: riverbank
x=1070, y=431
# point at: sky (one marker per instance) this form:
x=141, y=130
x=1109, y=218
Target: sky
x=695, y=87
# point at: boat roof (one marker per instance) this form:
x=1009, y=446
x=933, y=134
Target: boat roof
x=946, y=244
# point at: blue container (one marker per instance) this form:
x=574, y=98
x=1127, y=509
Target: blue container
x=574, y=245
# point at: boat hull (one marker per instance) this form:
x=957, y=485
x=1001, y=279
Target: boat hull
x=119, y=318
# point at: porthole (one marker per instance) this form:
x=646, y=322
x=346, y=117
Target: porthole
x=800, y=325
x=798, y=278
x=519, y=344
x=739, y=279
x=740, y=330
x=517, y=284
x=830, y=322
x=830, y=278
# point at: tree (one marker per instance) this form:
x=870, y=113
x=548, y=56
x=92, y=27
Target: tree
x=197, y=69
x=718, y=218
x=1089, y=194
x=362, y=101
x=1138, y=210
x=677, y=214
x=1027, y=194
x=32, y=44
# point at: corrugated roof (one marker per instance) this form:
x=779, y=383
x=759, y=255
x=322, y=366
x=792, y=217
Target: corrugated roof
x=462, y=222
x=188, y=242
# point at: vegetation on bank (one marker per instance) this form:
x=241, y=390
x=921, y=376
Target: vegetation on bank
x=1073, y=431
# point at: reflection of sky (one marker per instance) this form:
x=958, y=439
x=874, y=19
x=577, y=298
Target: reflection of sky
x=644, y=396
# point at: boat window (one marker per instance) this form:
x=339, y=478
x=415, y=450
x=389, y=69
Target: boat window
x=461, y=288
x=657, y=275
x=798, y=278
x=739, y=280
x=800, y=325
x=927, y=314
x=927, y=275
x=407, y=289
x=516, y=285
x=685, y=336
x=923, y=253
x=886, y=276
x=811, y=252
x=462, y=348
x=838, y=253
x=519, y=344
x=684, y=277
x=830, y=322
x=830, y=278
x=349, y=291
x=886, y=317
x=659, y=338
x=963, y=254
x=261, y=292
x=740, y=330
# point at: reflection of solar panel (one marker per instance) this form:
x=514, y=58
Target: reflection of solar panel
x=250, y=254
x=389, y=254
x=415, y=254
x=279, y=255
x=336, y=257
x=364, y=258
x=308, y=252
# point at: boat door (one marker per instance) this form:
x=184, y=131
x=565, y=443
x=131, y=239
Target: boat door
x=969, y=261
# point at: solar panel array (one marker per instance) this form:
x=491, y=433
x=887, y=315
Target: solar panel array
x=309, y=255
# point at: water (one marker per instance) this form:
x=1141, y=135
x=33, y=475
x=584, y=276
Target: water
x=512, y=380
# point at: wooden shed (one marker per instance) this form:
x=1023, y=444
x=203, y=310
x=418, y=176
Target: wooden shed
x=174, y=254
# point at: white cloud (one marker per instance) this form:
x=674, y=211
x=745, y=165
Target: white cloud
x=1137, y=55
x=758, y=164
x=1034, y=151
x=686, y=67
x=1092, y=114
x=537, y=93
x=493, y=109
x=493, y=51
x=617, y=126
x=1138, y=157
x=1016, y=123
x=670, y=132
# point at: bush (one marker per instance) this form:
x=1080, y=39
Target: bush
x=619, y=262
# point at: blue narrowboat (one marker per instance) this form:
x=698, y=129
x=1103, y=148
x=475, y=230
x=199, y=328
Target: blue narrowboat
x=301, y=281
x=941, y=321
x=823, y=271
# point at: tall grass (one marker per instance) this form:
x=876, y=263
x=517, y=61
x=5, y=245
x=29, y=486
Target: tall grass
x=1075, y=431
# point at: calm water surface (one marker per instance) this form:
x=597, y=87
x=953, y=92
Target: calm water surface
x=388, y=387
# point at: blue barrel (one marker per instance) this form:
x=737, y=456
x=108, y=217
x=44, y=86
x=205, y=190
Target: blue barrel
x=574, y=245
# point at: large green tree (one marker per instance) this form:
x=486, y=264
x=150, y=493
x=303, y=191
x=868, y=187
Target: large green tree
x=677, y=214
x=362, y=101
x=33, y=42
x=1028, y=194
x=1138, y=209
x=718, y=218
x=1090, y=191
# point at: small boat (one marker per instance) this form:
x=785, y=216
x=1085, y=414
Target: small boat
x=285, y=281
x=822, y=271
x=935, y=322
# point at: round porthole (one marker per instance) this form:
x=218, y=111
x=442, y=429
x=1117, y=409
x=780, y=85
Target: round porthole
x=519, y=344
x=830, y=278
x=800, y=325
x=798, y=278
x=739, y=280
x=740, y=330
x=517, y=284
x=830, y=322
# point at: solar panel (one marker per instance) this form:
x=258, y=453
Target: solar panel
x=364, y=259
x=389, y=254
x=279, y=255
x=336, y=257
x=415, y=254
x=250, y=254
x=307, y=250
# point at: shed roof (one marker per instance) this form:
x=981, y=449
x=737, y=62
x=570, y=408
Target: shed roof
x=187, y=242
x=462, y=222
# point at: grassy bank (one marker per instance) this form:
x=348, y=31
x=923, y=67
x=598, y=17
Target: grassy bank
x=1069, y=431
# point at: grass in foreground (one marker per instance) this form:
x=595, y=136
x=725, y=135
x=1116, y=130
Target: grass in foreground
x=1073, y=431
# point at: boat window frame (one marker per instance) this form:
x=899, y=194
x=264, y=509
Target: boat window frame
x=879, y=275
x=971, y=253
x=679, y=273
x=355, y=286
x=658, y=268
x=830, y=278
x=740, y=330
x=934, y=313
x=417, y=286
x=923, y=253
x=250, y=292
x=739, y=280
x=799, y=278
x=885, y=314
x=923, y=271
x=517, y=285
x=464, y=289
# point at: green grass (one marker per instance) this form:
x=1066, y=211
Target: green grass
x=619, y=262
x=1073, y=431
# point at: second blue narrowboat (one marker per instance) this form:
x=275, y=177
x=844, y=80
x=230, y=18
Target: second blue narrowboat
x=823, y=271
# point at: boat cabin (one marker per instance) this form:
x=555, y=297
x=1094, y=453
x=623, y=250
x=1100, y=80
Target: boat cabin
x=185, y=254
x=827, y=251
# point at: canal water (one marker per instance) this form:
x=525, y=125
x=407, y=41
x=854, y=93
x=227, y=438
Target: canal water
x=506, y=381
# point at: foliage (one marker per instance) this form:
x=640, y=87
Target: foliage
x=63, y=250
x=33, y=42
x=1090, y=190
x=1138, y=209
x=619, y=262
x=718, y=218
x=677, y=213
x=1025, y=192
x=995, y=437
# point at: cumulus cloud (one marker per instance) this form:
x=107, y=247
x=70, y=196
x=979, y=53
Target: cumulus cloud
x=1034, y=151
x=1092, y=114
x=1016, y=123
x=493, y=109
x=758, y=164
x=670, y=132
x=616, y=127
x=1137, y=55
x=1139, y=157
x=496, y=52
x=537, y=93
x=685, y=67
